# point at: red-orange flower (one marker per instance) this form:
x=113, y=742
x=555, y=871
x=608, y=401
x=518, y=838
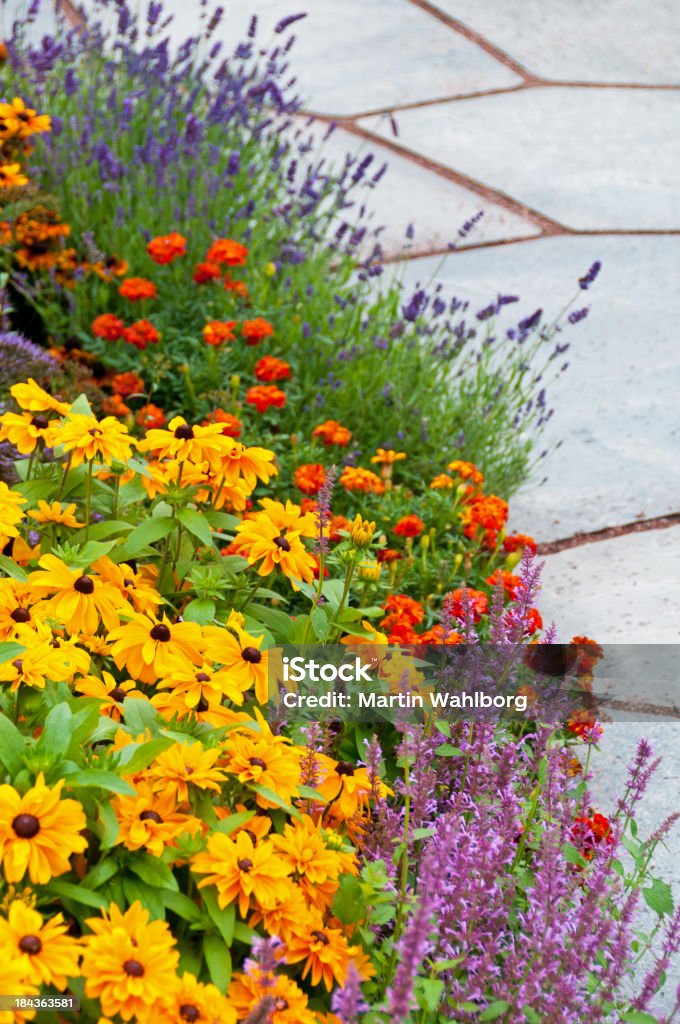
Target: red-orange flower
x=226, y=250
x=207, y=271
x=150, y=417
x=589, y=832
x=466, y=470
x=239, y=288
x=140, y=334
x=108, y=326
x=113, y=405
x=269, y=369
x=231, y=425
x=255, y=331
x=401, y=606
x=263, y=396
x=126, y=384
x=167, y=248
x=137, y=288
x=519, y=541
x=409, y=526
x=454, y=603
x=336, y=524
x=332, y=432
x=512, y=585
x=388, y=555
x=309, y=478
x=216, y=332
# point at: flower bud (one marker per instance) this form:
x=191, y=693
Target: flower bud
x=361, y=532
x=270, y=269
x=513, y=559
x=369, y=572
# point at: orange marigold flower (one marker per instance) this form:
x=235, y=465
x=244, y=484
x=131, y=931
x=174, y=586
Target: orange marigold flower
x=584, y=725
x=138, y=288
x=456, y=600
x=228, y=251
x=150, y=417
x=466, y=471
x=387, y=456
x=534, y=620
x=231, y=425
x=589, y=832
x=388, y=555
x=519, y=541
x=269, y=369
x=167, y=248
x=354, y=478
x=113, y=405
x=588, y=653
x=108, y=326
x=216, y=332
x=141, y=334
x=309, y=478
x=207, y=271
x=263, y=396
x=512, y=585
x=255, y=331
x=488, y=512
x=126, y=384
x=336, y=524
x=442, y=482
x=239, y=288
x=436, y=635
x=332, y=432
x=409, y=526
x=404, y=607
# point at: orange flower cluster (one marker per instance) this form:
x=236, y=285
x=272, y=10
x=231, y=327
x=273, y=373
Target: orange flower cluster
x=231, y=425
x=354, y=478
x=265, y=396
x=309, y=478
x=409, y=526
x=269, y=369
x=167, y=248
x=483, y=517
x=217, y=332
x=137, y=289
x=332, y=432
x=109, y=327
x=40, y=233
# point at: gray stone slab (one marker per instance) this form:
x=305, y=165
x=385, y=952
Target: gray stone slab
x=351, y=56
x=616, y=409
x=412, y=195
x=590, y=159
x=620, y=591
x=574, y=40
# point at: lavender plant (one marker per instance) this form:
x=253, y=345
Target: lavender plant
x=149, y=138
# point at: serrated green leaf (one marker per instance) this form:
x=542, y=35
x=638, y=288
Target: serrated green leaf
x=638, y=1017
x=200, y=610
x=430, y=992
x=573, y=856
x=348, y=905
x=659, y=897
x=494, y=1010
x=447, y=750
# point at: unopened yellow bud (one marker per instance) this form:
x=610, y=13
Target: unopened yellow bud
x=513, y=559
x=361, y=533
x=270, y=269
x=235, y=382
x=369, y=572
x=425, y=542
x=457, y=562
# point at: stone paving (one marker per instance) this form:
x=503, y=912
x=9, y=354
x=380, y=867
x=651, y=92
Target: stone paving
x=560, y=120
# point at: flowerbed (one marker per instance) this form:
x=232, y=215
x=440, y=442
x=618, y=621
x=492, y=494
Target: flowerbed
x=173, y=846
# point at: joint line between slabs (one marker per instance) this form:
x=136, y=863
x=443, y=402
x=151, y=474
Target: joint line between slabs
x=577, y=540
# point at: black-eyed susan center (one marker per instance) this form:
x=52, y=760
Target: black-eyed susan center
x=30, y=944
x=133, y=968
x=151, y=816
x=161, y=633
x=21, y=615
x=282, y=543
x=252, y=655
x=185, y=432
x=189, y=1012
x=84, y=585
x=26, y=826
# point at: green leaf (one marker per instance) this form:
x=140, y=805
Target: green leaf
x=140, y=715
x=573, y=856
x=279, y=623
x=494, y=1010
x=242, y=933
x=183, y=907
x=532, y=1016
x=12, y=746
x=320, y=624
x=135, y=757
x=422, y=833
x=78, y=893
x=11, y=568
x=100, y=874
x=145, y=534
x=91, y=779
x=658, y=897
x=9, y=651
x=109, y=528
x=81, y=406
x=431, y=991
x=151, y=899
x=196, y=524
x=200, y=610
x=110, y=827
x=221, y=520
x=348, y=905
x=228, y=825
x=274, y=798
x=93, y=550
x=446, y=750
x=153, y=871
x=218, y=959
x=639, y=1017
x=56, y=735
x=224, y=918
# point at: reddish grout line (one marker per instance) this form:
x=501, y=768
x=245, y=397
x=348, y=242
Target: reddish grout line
x=547, y=225
x=609, y=533
x=639, y=708
x=475, y=37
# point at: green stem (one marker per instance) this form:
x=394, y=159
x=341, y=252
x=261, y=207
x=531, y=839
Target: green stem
x=88, y=499
x=250, y=595
x=345, y=592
